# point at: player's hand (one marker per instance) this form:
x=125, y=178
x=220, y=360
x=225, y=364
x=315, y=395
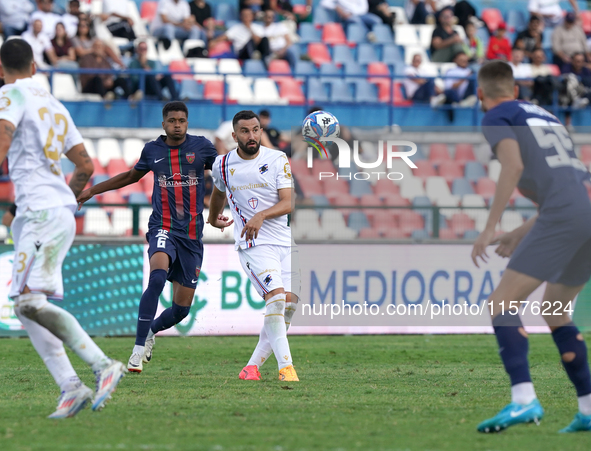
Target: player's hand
x=479, y=250
x=252, y=227
x=507, y=243
x=84, y=196
x=221, y=222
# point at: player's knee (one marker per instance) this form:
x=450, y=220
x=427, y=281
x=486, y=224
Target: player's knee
x=276, y=305
x=157, y=279
x=180, y=312
x=29, y=304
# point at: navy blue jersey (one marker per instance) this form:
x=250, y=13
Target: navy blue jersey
x=552, y=176
x=177, y=199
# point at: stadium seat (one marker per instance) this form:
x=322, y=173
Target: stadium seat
x=384, y=188
x=138, y=198
x=473, y=205
x=494, y=169
x=240, y=90
x=461, y=186
x=6, y=191
x=266, y=92
x=333, y=187
x=173, y=53
x=329, y=72
x=64, y=87
x=438, y=153
x=148, y=10
x=318, y=53
x=229, y=66
x=464, y=153
x=450, y=170
x=492, y=17
x=424, y=169
x=585, y=154
x=132, y=150
x=510, y=221
x=401, y=167
x=214, y=91
x=205, y=69
x=320, y=200
x=89, y=146
x=299, y=167
x=254, y=67
x=356, y=33
x=279, y=69
x=484, y=36
x=180, y=66
x=382, y=34
x=377, y=68
x=411, y=187
x=331, y=218
x=309, y=33
x=410, y=221
x=460, y=223
x=420, y=235
x=471, y=234
x=190, y=44
x=358, y=221
x=224, y=12
x=122, y=221
x=486, y=187
x=332, y=33
x=436, y=188
x=108, y=149
x=310, y=186
x=515, y=21
x=42, y=80
x=116, y=166
x=191, y=90
x=354, y=72
x=391, y=55
x=316, y=91
x=340, y=91
x=586, y=21
x=406, y=35
x=304, y=68
x=360, y=188
x=369, y=234
x=96, y=222
x=291, y=90
x=474, y=171
x=341, y=54
x=425, y=35
x=366, y=53
x=366, y=92
x=447, y=234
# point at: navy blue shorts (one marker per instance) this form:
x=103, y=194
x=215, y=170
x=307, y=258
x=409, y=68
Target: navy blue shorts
x=186, y=255
x=556, y=251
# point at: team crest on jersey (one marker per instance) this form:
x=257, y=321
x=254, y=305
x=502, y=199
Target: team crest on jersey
x=253, y=202
x=264, y=168
x=268, y=279
x=232, y=171
x=190, y=157
x=4, y=103
x=197, y=272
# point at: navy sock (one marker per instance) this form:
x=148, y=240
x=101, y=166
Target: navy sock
x=169, y=317
x=577, y=368
x=513, y=347
x=149, y=304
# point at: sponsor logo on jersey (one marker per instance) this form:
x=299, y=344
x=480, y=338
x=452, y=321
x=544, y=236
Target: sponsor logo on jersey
x=4, y=103
x=185, y=180
x=250, y=186
x=190, y=157
x=253, y=202
x=232, y=171
x=266, y=270
x=268, y=279
x=264, y=168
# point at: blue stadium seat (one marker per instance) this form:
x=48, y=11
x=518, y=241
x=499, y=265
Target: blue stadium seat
x=253, y=67
x=323, y=15
x=473, y=171
x=383, y=33
x=421, y=234
x=342, y=54
x=320, y=200
x=316, y=90
x=427, y=213
x=99, y=178
x=340, y=91
x=484, y=36
x=471, y=234
x=305, y=68
x=329, y=72
x=356, y=33
x=225, y=12
x=358, y=188
x=391, y=54
x=461, y=187
x=138, y=198
x=516, y=20
x=191, y=90
x=354, y=68
x=366, y=92
x=366, y=53
x=309, y=33
x=358, y=221
x=547, y=39
x=67, y=166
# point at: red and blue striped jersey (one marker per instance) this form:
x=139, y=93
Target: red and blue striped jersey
x=177, y=199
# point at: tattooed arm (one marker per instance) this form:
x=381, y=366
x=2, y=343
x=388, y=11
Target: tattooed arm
x=84, y=168
x=6, y=134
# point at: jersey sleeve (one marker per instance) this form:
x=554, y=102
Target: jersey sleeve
x=12, y=106
x=216, y=174
x=496, y=128
x=209, y=153
x=283, y=177
x=143, y=164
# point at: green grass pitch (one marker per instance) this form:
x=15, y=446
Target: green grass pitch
x=356, y=393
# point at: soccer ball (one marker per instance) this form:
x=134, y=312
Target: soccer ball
x=320, y=124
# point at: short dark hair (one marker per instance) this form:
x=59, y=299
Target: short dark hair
x=577, y=54
x=244, y=115
x=177, y=105
x=264, y=113
x=74, y=1
x=461, y=52
x=495, y=78
x=534, y=19
x=16, y=55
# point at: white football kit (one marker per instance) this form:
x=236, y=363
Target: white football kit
x=44, y=226
x=252, y=186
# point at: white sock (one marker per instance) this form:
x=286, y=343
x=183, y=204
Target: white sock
x=523, y=393
x=51, y=350
x=585, y=404
x=275, y=329
x=263, y=350
x=70, y=384
x=64, y=326
x=139, y=350
x=150, y=334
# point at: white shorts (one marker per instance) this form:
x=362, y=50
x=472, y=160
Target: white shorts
x=41, y=241
x=269, y=267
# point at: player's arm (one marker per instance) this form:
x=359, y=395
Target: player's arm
x=508, y=153
x=283, y=207
x=6, y=133
x=117, y=182
x=83, y=170
x=216, y=208
x=509, y=241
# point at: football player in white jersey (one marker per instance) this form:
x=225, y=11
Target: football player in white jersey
x=35, y=130
x=258, y=184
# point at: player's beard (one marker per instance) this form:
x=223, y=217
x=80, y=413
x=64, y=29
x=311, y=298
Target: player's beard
x=249, y=150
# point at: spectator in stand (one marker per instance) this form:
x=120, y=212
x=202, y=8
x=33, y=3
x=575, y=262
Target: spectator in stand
x=351, y=11
x=174, y=21
x=279, y=41
x=549, y=10
x=154, y=84
x=499, y=47
x=84, y=40
x=39, y=43
x=116, y=17
x=255, y=6
x=46, y=15
x=381, y=9
x=568, y=39
x=417, y=87
x=539, y=68
x=459, y=89
x=247, y=38
x=273, y=135
x=445, y=41
x=544, y=82
x=419, y=12
x=201, y=11
x=577, y=84
x=522, y=74
x=71, y=18
x=63, y=55
x=107, y=85
x=473, y=46
x=14, y=16
x=530, y=38
x=224, y=142
x=578, y=67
